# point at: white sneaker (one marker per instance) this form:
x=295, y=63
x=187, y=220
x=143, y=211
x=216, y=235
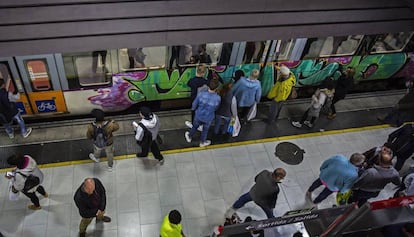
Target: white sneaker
x=110, y=168
x=229, y=213
x=11, y=136
x=187, y=137
x=188, y=124
x=296, y=124
x=307, y=123
x=28, y=131
x=200, y=128
x=206, y=143
x=92, y=157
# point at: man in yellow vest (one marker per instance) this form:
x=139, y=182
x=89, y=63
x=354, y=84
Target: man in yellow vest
x=171, y=225
x=280, y=91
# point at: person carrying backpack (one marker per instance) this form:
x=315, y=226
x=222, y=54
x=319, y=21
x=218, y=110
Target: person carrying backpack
x=100, y=132
x=146, y=133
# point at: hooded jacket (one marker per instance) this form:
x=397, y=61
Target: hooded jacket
x=247, y=91
x=110, y=127
x=338, y=174
x=90, y=204
x=152, y=124
x=29, y=167
x=264, y=192
x=282, y=88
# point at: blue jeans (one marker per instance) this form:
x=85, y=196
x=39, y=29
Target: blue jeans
x=20, y=121
x=196, y=124
x=323, y=195
x=218, y=122
x=245, y=198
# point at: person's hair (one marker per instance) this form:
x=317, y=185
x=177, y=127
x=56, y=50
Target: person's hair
x=237, y=74
x=351, y=71
x=214, y=83
x=98, y=114
x=385, y=159
x=255, y=74
x=201, y=70
x=297, y=234
x=225, y=89
x=174, y=217
x=388, y=144
x=279, y=173
x=329, y=83
x=16, y=160
x=1, y=82
x=357, y=159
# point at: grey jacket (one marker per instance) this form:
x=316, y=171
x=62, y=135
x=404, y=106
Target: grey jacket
x=31, y=168
x=374, y=179
x=264, y=192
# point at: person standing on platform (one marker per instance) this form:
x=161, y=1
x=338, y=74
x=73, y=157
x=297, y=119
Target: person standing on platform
x=337, y=174
x=247, y=92
x=264, y=192
x=343, y=85
x=146, y=133
x=196, y=84
x=204, y=105
x=171, y=225
x=280, y=92
x=100, y=132
x=402, y=144
x=224, y=111
x=10, y=112
x=373, y=155
x=90, y=198
x=26, y=166
x=373, y=180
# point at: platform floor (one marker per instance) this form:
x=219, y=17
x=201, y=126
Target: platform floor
x=199, y=182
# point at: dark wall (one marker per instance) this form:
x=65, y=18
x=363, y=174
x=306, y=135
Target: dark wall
x=54, y=26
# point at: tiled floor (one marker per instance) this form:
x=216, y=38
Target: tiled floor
x=200, y=184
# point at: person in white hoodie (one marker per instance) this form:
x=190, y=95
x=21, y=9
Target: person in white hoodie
x=25, y=166
x=146, y=133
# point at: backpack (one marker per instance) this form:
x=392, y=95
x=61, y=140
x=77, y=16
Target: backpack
x=99, y=135
x=146, y=138
x=30, y=182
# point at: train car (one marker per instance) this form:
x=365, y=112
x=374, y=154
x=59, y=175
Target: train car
x=114, y=80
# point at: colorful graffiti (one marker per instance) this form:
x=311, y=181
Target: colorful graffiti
x=132, y=88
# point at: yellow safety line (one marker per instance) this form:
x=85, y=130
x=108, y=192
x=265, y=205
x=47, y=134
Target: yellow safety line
x=230, y=144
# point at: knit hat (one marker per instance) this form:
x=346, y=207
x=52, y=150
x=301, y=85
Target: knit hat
x=284, y=70
x=146, y=112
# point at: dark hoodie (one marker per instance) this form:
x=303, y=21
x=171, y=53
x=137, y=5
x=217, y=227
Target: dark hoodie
x=90, y=204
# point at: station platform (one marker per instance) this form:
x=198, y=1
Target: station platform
x=199, y=182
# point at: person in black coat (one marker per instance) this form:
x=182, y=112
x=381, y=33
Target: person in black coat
x=402, y=144
x=9, y=112
x=90, y=198
x=343, y=85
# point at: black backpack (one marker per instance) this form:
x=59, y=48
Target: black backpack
x=147, y=137
x=99, y=135
x=31, y=181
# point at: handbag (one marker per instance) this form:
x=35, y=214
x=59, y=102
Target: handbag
x=293, y=93
x=13, y=196
x=30, y=182
x=252, y=112
x=236, y=127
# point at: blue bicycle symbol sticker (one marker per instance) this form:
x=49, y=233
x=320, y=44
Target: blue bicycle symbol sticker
x=44, y=106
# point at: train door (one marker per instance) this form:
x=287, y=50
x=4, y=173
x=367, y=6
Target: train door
x=41, y=82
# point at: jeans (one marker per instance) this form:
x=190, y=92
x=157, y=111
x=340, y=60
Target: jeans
x=218, y=122
x=196, y=124
x=20, y=121
x=109, y=150
x=323, y=195
x=245, y=198
x=361, y=196
x=275, y=108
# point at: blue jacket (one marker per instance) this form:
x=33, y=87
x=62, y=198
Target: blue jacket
x=338, y=173
x=247, y=92
x=205, y=105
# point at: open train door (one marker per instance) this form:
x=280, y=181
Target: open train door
x=41, y=83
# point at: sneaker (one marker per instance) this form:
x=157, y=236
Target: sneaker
x=331, y=116
x=11, y=136
x=307, y=123
x=33, y=207
x=200, y=128
x=106, y=219
x=296, y=124
x=187, y=137
x=309, y=196
x=229, y=213
x=206, y=143
x=188, y=124
x=110, y=168
x=46, y=195
x=92, y=157
x=161, y=162
x=28, y=131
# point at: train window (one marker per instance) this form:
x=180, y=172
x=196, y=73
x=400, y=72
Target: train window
x=140, y=58
x=39, y=75
x=393, y=42
x=194, y=54
x=7, y=76
x=254, y=51
x=331, y=46
x=283, y=50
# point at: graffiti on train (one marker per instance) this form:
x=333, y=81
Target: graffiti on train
x=134, y=87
